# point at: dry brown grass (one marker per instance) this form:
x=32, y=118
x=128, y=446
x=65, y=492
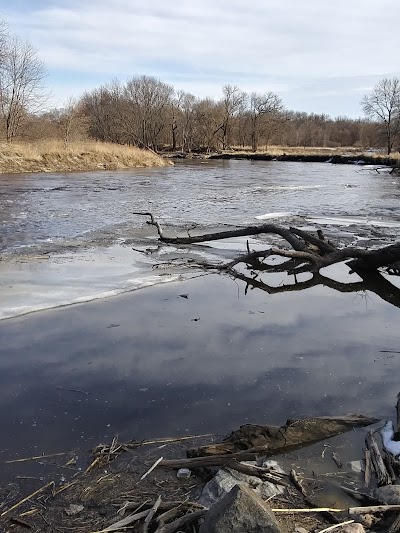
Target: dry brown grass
x=299, y=150
x=53, y=156
x=380, y=156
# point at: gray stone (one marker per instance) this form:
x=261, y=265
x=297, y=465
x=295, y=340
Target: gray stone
x=300, y=530
x=357, y=466
x=389, y=494
x=240, y=511
x=74, y=509
x=226, y=479
x=367, y=520
x=352, y=528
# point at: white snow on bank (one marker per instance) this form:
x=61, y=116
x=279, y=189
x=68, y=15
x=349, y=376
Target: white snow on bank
x=389, y=444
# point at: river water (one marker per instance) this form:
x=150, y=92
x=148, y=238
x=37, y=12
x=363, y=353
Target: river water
x=198, y=355
x=37, y=210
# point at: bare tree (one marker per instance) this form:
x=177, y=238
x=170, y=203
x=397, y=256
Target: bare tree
x=383, y=105
x=232, y=101
x=71, y=121
x=149, y=101
x=21, y=84
x=207, y=124
x=103, y=108
x=262, y=105
x=186, y=104
x=3, y=42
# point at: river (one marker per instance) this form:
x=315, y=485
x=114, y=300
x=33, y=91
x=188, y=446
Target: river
x=201, y=353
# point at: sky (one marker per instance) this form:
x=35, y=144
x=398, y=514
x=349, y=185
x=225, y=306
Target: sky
x=318, y=56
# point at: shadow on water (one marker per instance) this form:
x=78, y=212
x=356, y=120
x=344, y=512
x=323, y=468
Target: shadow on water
x=370, y=281
x=154, y=363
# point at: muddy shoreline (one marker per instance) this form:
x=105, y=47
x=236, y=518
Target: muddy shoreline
x=357, y=159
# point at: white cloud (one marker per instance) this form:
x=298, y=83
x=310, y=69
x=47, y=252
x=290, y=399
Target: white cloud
x=270, y=45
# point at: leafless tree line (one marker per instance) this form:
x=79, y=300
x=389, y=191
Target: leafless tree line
x=147, y=112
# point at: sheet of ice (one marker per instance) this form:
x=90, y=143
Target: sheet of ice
x=279, y=214
x=349, y=221
x=33, y=284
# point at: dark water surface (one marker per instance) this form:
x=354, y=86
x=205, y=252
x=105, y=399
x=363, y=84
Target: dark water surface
x=149, y=369
x=60, y=209
x=152, y=363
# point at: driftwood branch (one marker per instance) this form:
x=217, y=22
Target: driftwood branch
x=285, y=233
x=266, y=474
x=180, y=522
x=293, y=435
x=305, y=247
x=378, y=464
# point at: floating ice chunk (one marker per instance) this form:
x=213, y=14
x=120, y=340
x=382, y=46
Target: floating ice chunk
x=389, y=444
x=279, y=214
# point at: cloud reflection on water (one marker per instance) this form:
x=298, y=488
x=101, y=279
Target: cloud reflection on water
x=253, y=358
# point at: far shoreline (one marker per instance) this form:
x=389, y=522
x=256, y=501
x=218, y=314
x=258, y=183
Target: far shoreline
x=296, y=154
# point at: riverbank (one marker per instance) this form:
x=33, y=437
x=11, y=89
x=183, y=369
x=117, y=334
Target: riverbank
x=306, y=155
x=54, y=156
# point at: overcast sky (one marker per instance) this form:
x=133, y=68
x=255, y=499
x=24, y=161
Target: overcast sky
x=319, y=56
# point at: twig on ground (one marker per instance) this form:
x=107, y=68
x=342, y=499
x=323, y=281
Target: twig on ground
x=336, y=526
x=34, y=458
x=151, y=469
x=297, y=483
x=151, y=514
x=125, y=522
x=180, y=522
x=18, y=504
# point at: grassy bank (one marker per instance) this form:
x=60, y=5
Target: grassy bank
x=53, y=156
x=314, y=154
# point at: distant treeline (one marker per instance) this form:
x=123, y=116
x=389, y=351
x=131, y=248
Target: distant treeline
x=146, y=112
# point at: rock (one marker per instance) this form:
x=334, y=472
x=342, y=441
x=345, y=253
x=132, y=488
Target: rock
x=226, y=479
x=74, y=509
x=365, y=519
x=240, y=511
x=357, y=466
x=352, y=528
x=389, y=494
x=300, y=530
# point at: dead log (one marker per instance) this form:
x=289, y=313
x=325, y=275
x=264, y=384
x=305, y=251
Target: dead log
x=285, y=233
x=227, y=461
x=381, y=473
x=305, y=247
x=293, y=435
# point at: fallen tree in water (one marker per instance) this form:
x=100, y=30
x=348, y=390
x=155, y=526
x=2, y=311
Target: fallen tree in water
x=308, y=253
x=308, y=249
